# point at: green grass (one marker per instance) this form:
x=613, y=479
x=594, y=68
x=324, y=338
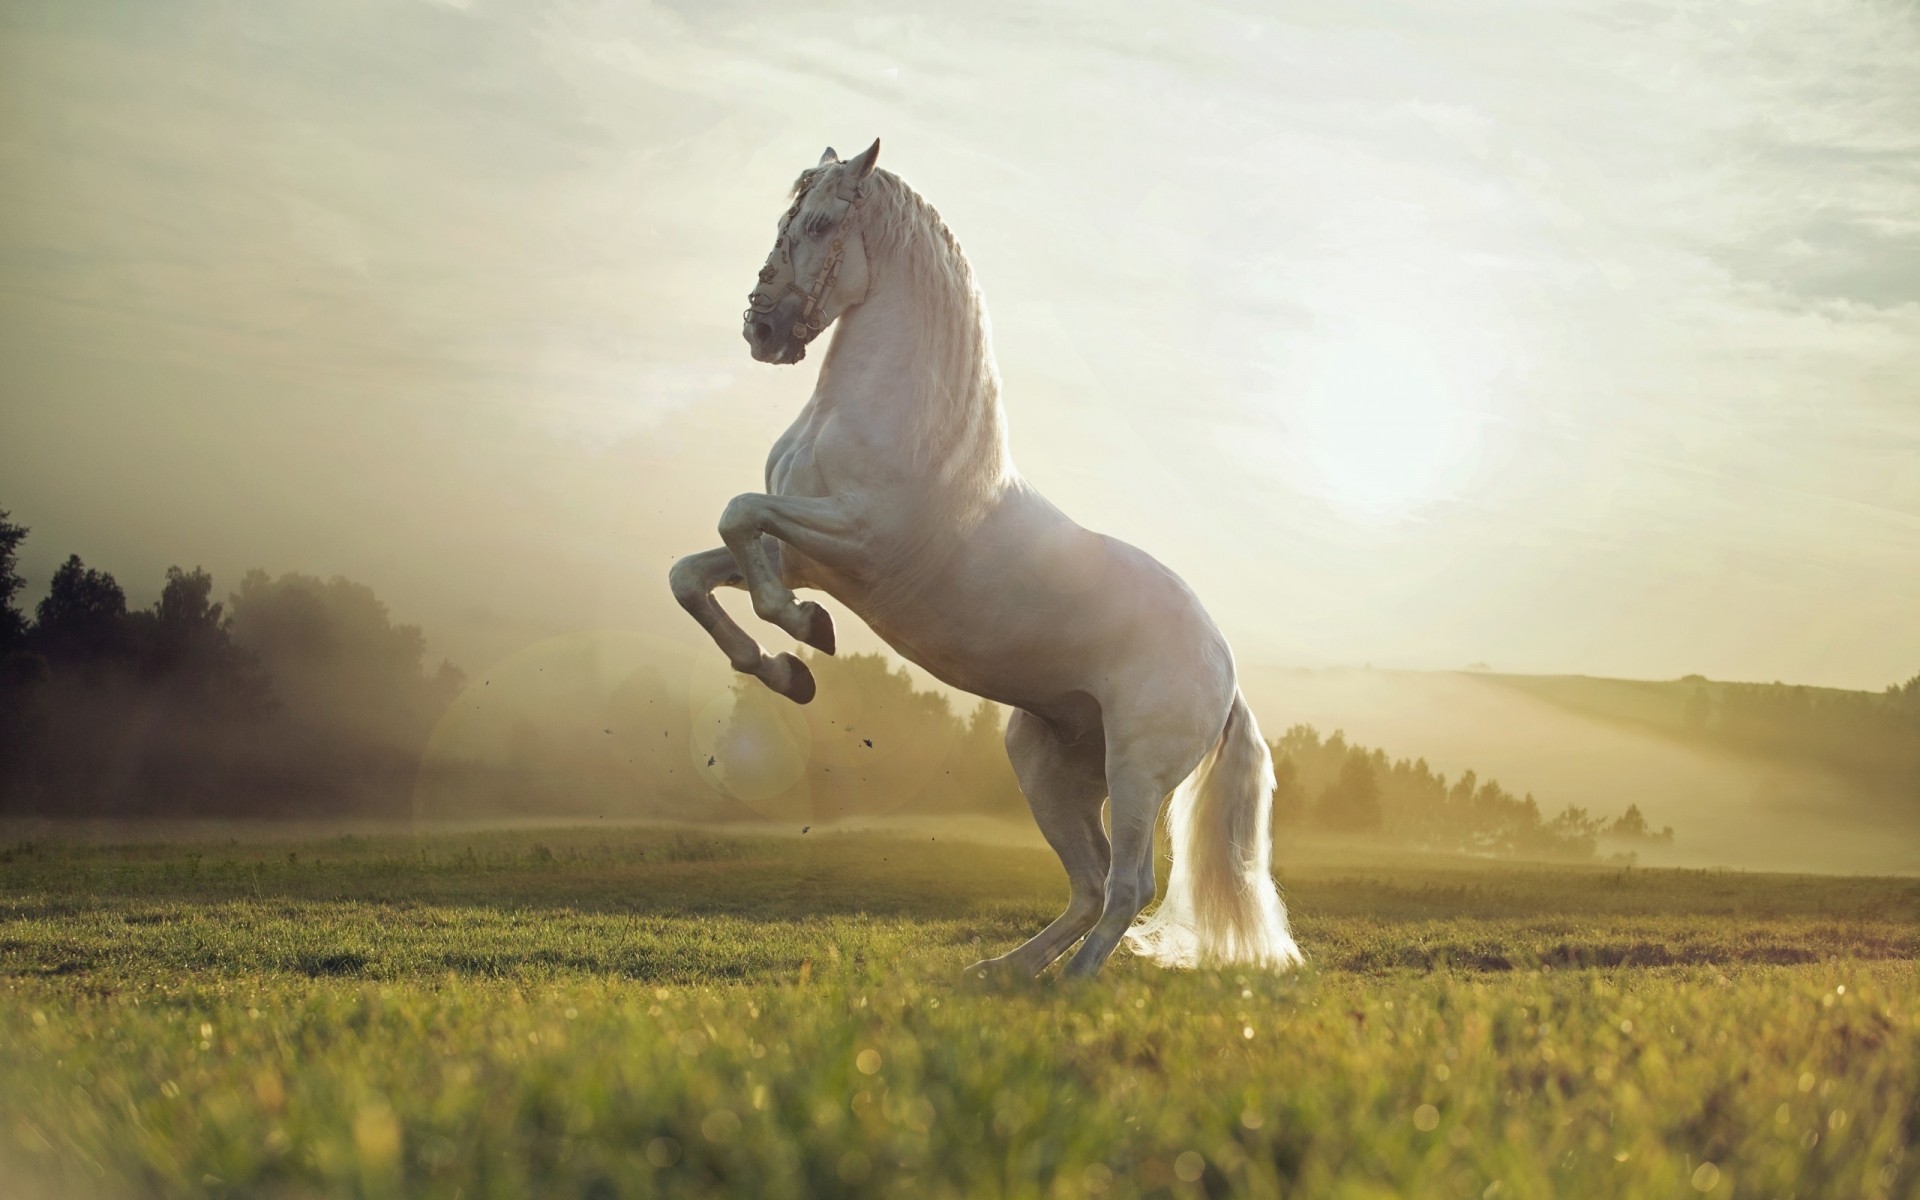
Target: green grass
x=601, y=1013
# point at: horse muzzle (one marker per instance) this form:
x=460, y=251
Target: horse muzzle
x=771, y=334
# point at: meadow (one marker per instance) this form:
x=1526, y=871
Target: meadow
x=609, y=1012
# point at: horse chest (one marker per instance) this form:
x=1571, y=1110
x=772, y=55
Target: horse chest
x=797, y=467
x=791, y=470
x=814, y=458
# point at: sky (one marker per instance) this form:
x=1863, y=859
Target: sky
x=1556, y=337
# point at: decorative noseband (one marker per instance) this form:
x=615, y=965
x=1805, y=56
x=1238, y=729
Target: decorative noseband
x=762, y=300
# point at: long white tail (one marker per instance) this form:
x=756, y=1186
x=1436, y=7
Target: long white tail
x=1221, y=905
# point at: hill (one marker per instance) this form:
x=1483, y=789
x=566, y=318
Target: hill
x=1605, y=743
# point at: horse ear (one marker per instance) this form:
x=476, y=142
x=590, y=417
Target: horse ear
x=863, y=165
x=828, y=157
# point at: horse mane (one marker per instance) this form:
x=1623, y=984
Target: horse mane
x=960, y=434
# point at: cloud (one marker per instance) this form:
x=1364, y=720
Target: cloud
x=1623, y=290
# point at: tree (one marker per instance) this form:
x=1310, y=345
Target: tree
x=20, y=672
x=871, y=743
x=1289, y=794
x=185, y=614
x=83, y=617
x=1351, y=803
x=981, y=777
x=185, y=646
x=1907, y=693
x=1699, y=710
x=1573, y=833
x=13, y=622
x=336, y=657
x=1632, y=826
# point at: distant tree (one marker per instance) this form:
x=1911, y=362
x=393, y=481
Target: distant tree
x=980, y=777
x=1699, y=709
x=1289, y=795
x=1906, y=693
x=20, y=672
x=1351, y=803
x=170, y=710
x=338, y=660
x=1414, y=804
x=1632, y=826
x=13, y=622
x=77, y=695
x=184, y=645
x=83, y=617
x=873, y=743
x=186, y=620
x=1573, y=833
x=1459, y=801
x=1870, y=739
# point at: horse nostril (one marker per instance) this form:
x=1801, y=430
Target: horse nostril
x=762, y=331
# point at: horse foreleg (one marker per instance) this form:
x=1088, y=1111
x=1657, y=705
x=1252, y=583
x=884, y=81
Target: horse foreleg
x=826, y=528
x=694, y=578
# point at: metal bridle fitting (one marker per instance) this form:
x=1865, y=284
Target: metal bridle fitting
x=810, y=322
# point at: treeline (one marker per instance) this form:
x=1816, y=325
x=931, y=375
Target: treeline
x=869, y=744
x=295, y=696
x=1329, y=783
x=538, y=737
x=1871, y=739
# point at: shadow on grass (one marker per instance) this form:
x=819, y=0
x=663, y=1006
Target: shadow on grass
x=754, y=879
x=1613, y=955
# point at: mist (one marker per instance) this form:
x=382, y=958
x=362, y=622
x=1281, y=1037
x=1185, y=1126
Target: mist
x=1415, y=336
x=1499, y=342
x=1728, y=810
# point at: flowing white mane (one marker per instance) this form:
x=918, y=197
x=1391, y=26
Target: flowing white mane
x=961, y=434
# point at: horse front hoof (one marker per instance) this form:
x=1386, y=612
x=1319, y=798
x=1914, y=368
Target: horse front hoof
x=819, y=628
x=791, y=678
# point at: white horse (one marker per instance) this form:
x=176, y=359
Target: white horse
x=894, y=492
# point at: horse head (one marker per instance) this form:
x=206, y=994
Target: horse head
x=817, y=268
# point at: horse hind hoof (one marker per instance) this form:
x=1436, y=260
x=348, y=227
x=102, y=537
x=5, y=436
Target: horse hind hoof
x=819, y=631
x=997, y=974
x=791, y=678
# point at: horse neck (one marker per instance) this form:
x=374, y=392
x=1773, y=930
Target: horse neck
x=913, y=364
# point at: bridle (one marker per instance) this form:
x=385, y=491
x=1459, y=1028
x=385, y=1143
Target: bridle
x=762, y=301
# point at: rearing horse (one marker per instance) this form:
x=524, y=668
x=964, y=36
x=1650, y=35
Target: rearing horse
x=894, y=492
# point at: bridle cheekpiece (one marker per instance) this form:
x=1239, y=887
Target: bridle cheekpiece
x=763, y=299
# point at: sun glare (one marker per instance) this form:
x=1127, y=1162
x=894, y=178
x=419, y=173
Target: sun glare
x=1384, y=426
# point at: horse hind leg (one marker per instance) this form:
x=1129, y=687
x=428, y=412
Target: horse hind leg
x=1064, y=785
x=1142, y=772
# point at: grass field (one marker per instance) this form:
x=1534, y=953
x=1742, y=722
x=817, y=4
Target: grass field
x=647, y=1012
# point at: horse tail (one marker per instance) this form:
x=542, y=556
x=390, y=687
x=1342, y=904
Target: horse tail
x=1222, y=907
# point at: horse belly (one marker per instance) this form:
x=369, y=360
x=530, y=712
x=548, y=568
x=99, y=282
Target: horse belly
x=988, y=635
